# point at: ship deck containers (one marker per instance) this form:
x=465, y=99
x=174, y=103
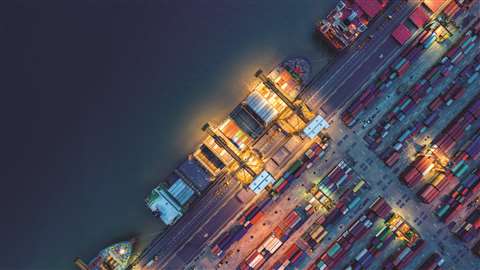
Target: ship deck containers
x=247, y=121
x=193, y=172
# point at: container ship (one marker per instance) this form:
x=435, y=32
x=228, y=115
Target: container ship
x=114, y=257
x=256, y=140
x=348, y=20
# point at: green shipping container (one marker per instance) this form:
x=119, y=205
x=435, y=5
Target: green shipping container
x=442, y=211
x=333, y=250
x=458, y=166
x=278, y=183
x=295, y=166
x=462, y=171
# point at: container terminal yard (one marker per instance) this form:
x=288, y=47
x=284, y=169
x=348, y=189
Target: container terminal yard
x=373, y=163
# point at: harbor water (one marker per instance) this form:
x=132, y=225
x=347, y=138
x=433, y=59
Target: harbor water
x=106, y=97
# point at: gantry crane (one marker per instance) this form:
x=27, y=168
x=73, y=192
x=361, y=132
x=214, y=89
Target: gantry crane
x=223, y=144
x=271, y=85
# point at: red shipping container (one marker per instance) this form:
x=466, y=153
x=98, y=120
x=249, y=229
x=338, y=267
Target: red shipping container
x=435, y=104
x=453, y=214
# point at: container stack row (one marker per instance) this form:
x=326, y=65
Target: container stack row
x=392, y=155
x=457, y=199
x=316, y=151
x=254, y=213
x=403, y=256
x=337, y=249
x=470, y=228
x=433, y=262
x=377, y=244
x=455, y=130
x=290, y=259
x=384, y=82
x=424, y=86
x=399, y=67
x=275, y=240
x=336, y=178
x=348, y=201
x=439, y=185
x=422, y=166
x=314, y=235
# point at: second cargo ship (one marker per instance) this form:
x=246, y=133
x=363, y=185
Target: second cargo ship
x=348, y=20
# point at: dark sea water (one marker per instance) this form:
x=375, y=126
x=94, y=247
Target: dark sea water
x=101, y=99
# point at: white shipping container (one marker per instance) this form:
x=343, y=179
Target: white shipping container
x=360, y=255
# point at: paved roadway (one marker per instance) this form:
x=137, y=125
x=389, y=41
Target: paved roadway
x=181, y=243
x=333, y=87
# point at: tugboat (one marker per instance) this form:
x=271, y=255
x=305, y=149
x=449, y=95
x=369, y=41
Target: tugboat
x=114, y=257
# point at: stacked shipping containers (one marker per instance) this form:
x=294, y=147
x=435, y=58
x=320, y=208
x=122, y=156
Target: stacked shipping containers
x=290, y=258
x=408, y=56
x=275, y=240
x=470, y=227
x=434, y=262
x=400, y=259
x=315, y=234
x=424, y=86
x=296, y=170
x=336, y=178
x=469, y=187
x=422, y=166
x=355, y=231
x=366, y=256
x=437, y=186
